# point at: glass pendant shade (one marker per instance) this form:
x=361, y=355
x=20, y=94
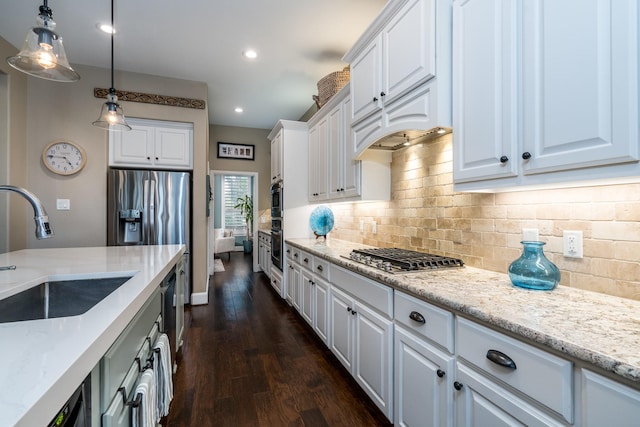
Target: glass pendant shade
x=42, y=54
x=111, y=116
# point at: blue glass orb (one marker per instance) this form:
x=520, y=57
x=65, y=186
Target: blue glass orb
x=533, y=270
x=321, y=221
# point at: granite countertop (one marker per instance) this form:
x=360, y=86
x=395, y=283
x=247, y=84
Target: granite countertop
x=42, y=362
x=598, y=329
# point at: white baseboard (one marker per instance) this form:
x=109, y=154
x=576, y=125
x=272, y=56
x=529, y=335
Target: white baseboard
x=200, y=298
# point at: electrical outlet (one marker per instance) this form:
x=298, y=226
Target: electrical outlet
x=374, y=227
x=572, y=244
x=362, y=225
x=529, y=234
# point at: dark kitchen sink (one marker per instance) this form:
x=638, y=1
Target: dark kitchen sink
x=58, y=298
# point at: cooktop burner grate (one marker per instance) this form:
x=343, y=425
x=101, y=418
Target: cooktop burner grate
x=401, y=260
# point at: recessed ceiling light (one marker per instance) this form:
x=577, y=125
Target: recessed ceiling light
x=238, y=110
x=106, y=28
x=250, y=54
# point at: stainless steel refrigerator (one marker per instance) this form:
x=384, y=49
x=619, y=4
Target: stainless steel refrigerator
x=146, y=207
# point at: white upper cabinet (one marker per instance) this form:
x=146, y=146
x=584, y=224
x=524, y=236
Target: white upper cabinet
x=542, y=94
x=392, y=63
x=334, y=173
x=276, y=158
x=153, y=144
x=398, y=58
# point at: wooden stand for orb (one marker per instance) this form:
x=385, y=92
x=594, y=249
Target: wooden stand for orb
x=320, y=235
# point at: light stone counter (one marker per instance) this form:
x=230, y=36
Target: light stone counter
x=42, y=362
x=595, y=328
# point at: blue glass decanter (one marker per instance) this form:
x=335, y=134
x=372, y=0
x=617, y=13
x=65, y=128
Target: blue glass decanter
x=533, y=270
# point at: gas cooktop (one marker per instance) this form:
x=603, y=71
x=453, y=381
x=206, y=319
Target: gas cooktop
x=395, y=260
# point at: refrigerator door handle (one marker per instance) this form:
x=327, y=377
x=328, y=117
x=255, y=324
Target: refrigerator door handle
x=146, y=212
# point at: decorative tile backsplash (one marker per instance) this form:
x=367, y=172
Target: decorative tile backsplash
x=485, y=229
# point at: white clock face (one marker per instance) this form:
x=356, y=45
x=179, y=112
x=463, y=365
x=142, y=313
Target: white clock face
x=64, y=158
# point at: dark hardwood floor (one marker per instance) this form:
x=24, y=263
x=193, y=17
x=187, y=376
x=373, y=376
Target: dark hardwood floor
x=249, y=360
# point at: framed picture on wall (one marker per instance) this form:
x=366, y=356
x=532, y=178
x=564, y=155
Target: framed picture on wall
x=229, y=150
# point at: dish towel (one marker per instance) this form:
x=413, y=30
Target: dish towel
x=164, y=375
x=145, y=414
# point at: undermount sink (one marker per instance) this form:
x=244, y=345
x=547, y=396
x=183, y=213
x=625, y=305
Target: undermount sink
x=62, y=298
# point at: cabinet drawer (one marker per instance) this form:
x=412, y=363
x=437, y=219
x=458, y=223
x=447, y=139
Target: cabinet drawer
x=425, y=319
x=306, y=260
x=321, y=268
x=293, y=253
x=375, y=294
x=536, y=373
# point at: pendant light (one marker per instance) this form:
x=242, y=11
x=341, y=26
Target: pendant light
x=111, y=117
x=42, y=53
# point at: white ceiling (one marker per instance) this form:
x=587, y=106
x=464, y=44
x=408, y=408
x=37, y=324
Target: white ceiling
x=298, y=42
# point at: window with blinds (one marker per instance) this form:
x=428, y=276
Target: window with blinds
x=234, y=187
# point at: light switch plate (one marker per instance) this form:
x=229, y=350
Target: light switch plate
x=63, y=204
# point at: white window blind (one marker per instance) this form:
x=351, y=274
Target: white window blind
x=233, y=187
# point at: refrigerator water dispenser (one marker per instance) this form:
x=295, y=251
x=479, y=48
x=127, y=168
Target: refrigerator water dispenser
x=130, y=226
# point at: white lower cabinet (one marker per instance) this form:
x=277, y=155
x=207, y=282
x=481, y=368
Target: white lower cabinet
x=542, y=378
x=277, y=283
x=423, y=393
x=608, y=403
x=293, y=283
x=481, y=402
x=362, y=340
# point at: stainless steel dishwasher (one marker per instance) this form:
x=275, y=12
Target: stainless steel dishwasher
x=76, y=412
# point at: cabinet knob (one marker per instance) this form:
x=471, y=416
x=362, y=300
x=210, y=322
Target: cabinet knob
x=458, y=386
x=306, y=260
x=375, y=99
x=504, y=159
x=499, y=358
x=156, y=158
x=148, y=158
x=312, y=282
x=273, y=177
x=349, y=309
x=320, y=268
x=417, y=317
x=526, y=155
x=440, y=373
x=353, y=312
x=382, y=94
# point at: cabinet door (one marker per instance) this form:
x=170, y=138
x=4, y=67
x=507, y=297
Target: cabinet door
x=480, y=402
x=485, y=89
x=276, y=158
x=172, y=147
x=373, y=342
x=321, y=309
x=306, y=296
x=606, y=402
x=579, y=109
x=314, y=134
x=341, y=327
x=295, y=284
x=334, y=150
x=351, y=168
x=133, y=148
x=366, y=81
x=409, y=52
x=318, y=166
x=423, y=383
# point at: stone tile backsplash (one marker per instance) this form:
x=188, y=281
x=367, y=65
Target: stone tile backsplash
x=484, y=230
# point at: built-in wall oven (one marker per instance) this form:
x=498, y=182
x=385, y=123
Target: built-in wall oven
x=276, y=200
x=276, y=242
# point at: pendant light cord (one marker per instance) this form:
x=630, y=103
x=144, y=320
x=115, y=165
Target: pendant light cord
x=113, y=30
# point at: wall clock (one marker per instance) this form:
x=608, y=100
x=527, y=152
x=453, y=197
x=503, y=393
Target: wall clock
x=64, y=157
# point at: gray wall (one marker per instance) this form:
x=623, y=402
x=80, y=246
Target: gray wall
x=66, y=111
x=261, y=164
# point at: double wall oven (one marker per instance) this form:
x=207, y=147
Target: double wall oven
x=277, y=241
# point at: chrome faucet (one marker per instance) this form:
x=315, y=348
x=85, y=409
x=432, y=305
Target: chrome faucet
x=43, y=230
